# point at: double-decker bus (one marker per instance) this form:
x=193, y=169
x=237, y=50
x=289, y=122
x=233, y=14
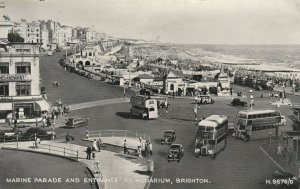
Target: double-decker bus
x=257, y=124
x=143, y=107
x=211, y=135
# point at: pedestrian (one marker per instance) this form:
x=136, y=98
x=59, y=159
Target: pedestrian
x=15, y=122
x=279, y=150
x=150, y=148
x=37, y=142
x=88, y=152
x=95, y=146
x=93, y=154
x=68, y=137
x=284, y=152
x=139, y=152
x=99, y=144
x=125, y=148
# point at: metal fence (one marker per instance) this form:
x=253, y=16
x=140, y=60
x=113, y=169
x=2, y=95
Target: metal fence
x=45, y=148
x=117, y=133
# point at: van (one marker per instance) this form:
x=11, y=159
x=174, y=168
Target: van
x=76, y=122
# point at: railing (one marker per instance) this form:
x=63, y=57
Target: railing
x=46, y=148
x=117, y=133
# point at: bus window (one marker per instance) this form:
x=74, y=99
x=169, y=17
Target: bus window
x=249, y=122
x=244, y=116
x=259, y=116
x=242, y=127
x=250, y=117
x=241, y=122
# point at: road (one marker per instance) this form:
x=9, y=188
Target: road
x=241, y=165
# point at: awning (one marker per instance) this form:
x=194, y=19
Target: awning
x=5, y=106
x=42, y=105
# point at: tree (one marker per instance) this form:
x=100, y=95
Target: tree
x=14, y=37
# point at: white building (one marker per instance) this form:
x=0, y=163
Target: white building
x=5, y=27
x=20, y=91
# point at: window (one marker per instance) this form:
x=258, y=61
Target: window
x=23, y=68
x=4, y=68
x=4, y=89
x=23, y=88
x=37, y=35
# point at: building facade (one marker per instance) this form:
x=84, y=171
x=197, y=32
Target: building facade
x=20, y=92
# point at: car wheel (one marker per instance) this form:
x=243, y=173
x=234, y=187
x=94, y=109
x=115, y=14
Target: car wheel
x=178, y=161
x=197, y=155
x=169, y=161
x=213, y=156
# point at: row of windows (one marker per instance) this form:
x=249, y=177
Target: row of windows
x=37, y=35
x=20, y=69
x=22, y=89
x=262, y=128
x=274, y=114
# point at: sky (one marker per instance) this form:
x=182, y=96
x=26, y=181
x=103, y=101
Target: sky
x=173, y=21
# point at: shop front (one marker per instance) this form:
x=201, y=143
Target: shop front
x=23, y=111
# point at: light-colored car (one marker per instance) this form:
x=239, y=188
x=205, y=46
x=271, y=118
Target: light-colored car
x=49, y=53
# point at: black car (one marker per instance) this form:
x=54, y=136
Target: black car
x=238, y=102
x=169, y=137
x=146, y=92
x=175, y=153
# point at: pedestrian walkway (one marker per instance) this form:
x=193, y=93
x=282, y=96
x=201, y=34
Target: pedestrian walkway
x=116, y=170
x=97, y=103
x=282, y=156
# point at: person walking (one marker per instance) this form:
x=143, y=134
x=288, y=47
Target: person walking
x=279, y=150
x=150, y=148
x=125, y=148
x=68, y=137
x=88, y=152
x=139, y=152
x=99, y=144
x=95, y=148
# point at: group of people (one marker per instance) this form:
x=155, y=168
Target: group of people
x=144, y=149
x=96, y=147
x=284, y=152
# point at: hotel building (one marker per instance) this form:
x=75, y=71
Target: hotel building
x=20, y=93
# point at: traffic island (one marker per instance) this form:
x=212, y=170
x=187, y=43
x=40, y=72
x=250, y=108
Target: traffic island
x=110, y=169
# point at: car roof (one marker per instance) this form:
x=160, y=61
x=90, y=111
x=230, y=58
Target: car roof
x=175, y=145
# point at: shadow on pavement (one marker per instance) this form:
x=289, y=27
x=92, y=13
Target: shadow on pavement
x=126, y=115
x=143, y=172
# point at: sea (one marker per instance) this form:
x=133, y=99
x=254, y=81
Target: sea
x=268, y=57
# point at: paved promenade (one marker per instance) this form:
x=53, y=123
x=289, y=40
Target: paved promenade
x=116, y=170
x=97, y=103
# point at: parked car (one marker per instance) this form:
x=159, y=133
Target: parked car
x=146, y=92
x=49, y=53
x=73, y=122
x=204, y=99
x=169, y=137
x=34, y=132
x=175, y=153
x=238, y=102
